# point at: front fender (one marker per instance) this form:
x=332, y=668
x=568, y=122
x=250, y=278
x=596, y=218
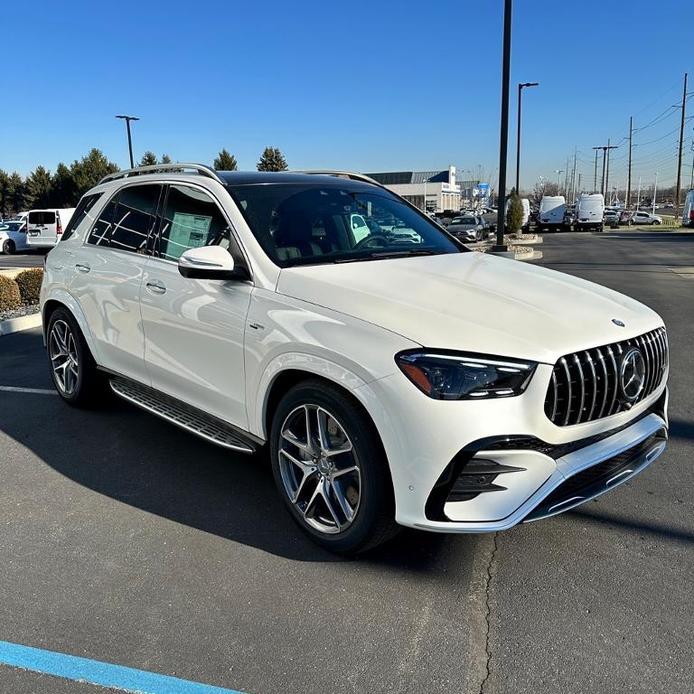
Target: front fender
x=63, y=297
x=296, y=361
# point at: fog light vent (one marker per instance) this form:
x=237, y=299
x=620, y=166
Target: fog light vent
x=478, y=477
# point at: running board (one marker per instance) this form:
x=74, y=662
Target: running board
x=189, y=418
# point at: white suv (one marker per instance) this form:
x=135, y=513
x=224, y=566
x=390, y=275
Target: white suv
x=393, y=383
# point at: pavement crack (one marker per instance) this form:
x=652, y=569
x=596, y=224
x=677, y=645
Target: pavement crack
x=487, y=615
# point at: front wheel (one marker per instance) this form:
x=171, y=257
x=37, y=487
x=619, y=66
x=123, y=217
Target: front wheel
x=73, y=369
x=8, y=247
x=330, y=469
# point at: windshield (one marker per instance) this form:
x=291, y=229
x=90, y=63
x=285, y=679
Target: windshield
x=298, y=224
x=464, y=220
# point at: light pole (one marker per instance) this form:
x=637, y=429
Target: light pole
x=559, y=172
x=521, y=86
x=503, y=131
x=127, y=120
x=655, y=190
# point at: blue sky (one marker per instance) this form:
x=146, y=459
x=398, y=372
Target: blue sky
x=368, y=86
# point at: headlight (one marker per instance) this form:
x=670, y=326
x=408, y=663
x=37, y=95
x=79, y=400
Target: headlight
x=459, y=376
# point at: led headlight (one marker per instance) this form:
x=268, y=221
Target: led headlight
x=459, y=376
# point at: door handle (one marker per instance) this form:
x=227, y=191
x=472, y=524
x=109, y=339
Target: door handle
x=81, y=267
x=156, y=287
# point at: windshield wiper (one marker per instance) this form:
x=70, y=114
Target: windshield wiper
x=380, y=255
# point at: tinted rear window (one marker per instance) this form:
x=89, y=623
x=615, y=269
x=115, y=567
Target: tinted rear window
x=41, y=217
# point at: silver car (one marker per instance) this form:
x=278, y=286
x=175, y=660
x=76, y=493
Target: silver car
x=466, y=228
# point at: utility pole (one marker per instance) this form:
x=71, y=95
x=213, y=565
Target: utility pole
x=679, y=156
x=595, y=171
x=627, y=202
x=503, y=133
x=655, y=190
x=638, y=195
x=521, y=86
x=127, y=120
x=578, y=190
x=607, y=173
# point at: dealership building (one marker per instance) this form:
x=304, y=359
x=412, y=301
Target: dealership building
x=441, y=190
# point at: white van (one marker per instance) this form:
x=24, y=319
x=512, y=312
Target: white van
x=590, y=212
x=552, y=213
x=45, y=227
x=688, y=209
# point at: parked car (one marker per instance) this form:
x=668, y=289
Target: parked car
x=688, y=209
x=590, y=210
x=611, y=218
x=45, y=227
x=467, y=228
x=13, y=237
x=642, y=217
x=552, y=213
x=490, y=216
x=426, y=386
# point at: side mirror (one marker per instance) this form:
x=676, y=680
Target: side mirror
x=210, y=263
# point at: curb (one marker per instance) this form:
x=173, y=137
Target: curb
x=14, y=325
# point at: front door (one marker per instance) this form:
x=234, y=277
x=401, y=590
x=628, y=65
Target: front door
x=194, y=329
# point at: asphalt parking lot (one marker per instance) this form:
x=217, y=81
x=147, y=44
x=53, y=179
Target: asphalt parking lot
x=127, y=541
x=21, y=260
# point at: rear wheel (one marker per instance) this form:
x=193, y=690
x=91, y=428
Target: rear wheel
x=8, y=247
x=73, y=369
x=330, y=469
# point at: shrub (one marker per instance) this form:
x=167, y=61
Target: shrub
x=514, y=215
x=10, y=298
x=29, y=283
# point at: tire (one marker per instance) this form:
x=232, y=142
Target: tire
x=368, y=490
x=81, y=383
x=657, y=223
x=8, y=248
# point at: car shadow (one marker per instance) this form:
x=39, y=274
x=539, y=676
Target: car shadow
x=143, y=461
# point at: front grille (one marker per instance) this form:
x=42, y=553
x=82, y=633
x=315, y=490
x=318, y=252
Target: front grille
x=585, y=385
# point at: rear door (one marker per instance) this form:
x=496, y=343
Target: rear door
x=108, y=272
x=195, y=328
x=41, y=226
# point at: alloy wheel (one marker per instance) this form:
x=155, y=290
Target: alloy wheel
x=62, y=350
x=319, y=469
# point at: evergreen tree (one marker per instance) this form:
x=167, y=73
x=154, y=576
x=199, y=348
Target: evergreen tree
x=64, y=190
x=225, y=162
x=166, y=159
x=148, y=159
x=4, y=194
x=89, y=170
x=514, y=215
x=272, y=160
x=38, y=188
x=15, y=193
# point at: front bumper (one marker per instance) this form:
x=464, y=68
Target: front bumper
x=423, y=439
x=573, y=479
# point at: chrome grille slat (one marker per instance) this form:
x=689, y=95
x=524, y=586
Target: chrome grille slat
x=585, y=385
x=568, y=388
x=582, y=383
x=594, y=381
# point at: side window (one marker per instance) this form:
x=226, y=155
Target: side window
x=135, y=218
x=101, y=231
x=191, y=219
x=128, y=218
x=83, y=208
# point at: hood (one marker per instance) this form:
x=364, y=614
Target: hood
x=473, y=302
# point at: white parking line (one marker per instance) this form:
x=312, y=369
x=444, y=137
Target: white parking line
x=34, y=391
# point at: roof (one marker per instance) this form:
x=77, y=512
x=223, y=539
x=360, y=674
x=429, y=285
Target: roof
x=241, y=178
x=390, y=178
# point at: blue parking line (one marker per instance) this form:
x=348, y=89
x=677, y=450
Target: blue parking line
x=71, y=667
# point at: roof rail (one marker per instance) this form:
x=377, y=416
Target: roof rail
x=178, y=167
x=343, y=174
